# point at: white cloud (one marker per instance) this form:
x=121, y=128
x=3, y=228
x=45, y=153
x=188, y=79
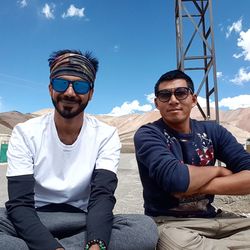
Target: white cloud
x=150, y=98
x=203, y=102
x=241, y=77
x=243, y=43
x=236, y=27
x=48, y=11
x=22, y=3
x=241, y=101
x=73, y=11
x=129, y=108
x=219, y=74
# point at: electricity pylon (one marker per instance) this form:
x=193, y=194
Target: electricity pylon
x=195, y=48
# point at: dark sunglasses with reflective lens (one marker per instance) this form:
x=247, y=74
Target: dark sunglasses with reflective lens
x=180, y=94
x=79, y=86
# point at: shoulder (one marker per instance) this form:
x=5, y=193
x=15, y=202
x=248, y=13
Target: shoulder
x=32, y=127
x=213, y=130
x=103, y=137
x=208, y=126
x=93, y=123
x=34, y=123
x=204, y=123
x=155, y=128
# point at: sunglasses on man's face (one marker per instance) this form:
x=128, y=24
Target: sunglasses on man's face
x=180, y=94
x=79, y=86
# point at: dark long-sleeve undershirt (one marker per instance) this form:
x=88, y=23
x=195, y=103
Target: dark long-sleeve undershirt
x=22, y=213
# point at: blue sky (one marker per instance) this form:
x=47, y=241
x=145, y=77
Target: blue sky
x=134, y=41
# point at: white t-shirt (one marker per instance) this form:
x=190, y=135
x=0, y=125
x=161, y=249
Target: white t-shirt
x=62, y=172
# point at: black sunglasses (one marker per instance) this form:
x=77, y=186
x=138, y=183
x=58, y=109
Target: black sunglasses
x=79, y=86
x=180, y=94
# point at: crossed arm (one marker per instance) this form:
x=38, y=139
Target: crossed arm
x=165, y=166
x=217, y=180
x=234, y=184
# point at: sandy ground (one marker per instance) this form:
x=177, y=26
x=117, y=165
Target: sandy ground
x=129, y=191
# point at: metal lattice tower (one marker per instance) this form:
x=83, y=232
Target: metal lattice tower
x=195, y=48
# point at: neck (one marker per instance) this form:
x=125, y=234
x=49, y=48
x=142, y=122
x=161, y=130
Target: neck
x=68, y=129
x=183, y=128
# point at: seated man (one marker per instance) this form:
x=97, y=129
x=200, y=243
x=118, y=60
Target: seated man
x=62, y=173
x=176, y=157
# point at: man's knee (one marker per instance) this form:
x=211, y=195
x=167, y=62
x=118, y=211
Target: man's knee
x=178, y=238
x=147, y=229
x=8, y=242
x=134, y=231
x=6, y=226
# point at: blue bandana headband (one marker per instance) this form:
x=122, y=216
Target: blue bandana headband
x=74, y=65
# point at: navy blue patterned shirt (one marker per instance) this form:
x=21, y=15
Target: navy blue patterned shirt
x=163, y=154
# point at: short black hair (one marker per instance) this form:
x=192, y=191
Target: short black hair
x=172, y=75
x=94, y=61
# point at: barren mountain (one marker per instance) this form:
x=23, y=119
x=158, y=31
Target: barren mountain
x=10, y=119
x=128, y=124
x=239, y=118
x=236, y=121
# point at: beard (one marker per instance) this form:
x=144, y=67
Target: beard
x=67, y=112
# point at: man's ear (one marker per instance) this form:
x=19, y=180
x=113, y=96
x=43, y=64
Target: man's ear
x=194, y=99
x=156, y=104
x=91, y=92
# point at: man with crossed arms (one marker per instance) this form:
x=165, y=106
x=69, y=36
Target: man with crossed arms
x=176, y=157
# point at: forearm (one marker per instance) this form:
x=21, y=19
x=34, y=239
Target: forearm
x=201, y=176
x=22, y=213
x=99, y=222
x=235, y=184
x=101, y=204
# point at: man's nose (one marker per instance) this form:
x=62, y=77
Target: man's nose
x=70, y=91
x=173, y=99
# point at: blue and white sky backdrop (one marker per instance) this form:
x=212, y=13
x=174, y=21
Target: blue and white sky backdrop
x=134, y=41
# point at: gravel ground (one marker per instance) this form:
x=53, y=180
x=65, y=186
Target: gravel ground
x=129, y=191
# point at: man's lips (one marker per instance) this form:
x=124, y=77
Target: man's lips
x=69, y=102
x=174, y=110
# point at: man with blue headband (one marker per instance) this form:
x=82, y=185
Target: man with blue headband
x=62, y=173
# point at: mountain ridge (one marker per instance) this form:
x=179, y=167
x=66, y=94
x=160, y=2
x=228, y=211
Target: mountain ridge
x=236, y=121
